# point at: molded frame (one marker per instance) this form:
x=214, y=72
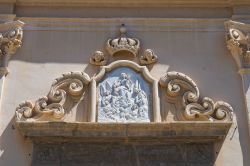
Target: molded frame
x=132, y=65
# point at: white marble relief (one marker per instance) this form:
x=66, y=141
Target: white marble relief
x=124, y=96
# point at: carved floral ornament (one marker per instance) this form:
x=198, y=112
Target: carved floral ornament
x=124, y=92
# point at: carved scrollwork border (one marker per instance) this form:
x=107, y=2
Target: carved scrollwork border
x=132, y=65
x=65, y=90
x=184, y=93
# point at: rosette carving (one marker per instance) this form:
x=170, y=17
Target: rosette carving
x=64, y=93
x=184, y=93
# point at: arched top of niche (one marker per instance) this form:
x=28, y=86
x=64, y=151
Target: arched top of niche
x=125, y=63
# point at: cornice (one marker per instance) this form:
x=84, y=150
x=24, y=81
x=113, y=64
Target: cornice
x=132, y=3
x=135, y=24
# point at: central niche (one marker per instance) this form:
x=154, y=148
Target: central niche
x=124, y=96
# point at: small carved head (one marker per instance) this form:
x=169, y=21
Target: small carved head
x=124, y=76
x=148, y=57
x=98, y=56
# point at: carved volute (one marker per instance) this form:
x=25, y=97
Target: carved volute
x=65, y=90
x=184, y=93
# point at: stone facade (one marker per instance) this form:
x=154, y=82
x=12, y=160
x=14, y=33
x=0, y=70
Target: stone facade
x=131, y=81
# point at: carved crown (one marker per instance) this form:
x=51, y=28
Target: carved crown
x=123, y=43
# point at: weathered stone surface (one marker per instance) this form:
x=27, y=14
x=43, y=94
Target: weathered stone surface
x=123, y=154
x=183, y=130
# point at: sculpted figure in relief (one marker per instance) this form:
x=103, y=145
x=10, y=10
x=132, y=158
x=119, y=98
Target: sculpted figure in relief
x=122, y=101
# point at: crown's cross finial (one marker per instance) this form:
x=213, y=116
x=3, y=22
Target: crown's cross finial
x=123, y=30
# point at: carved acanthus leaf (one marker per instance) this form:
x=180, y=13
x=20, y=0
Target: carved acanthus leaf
x=65, y=91
x=184, y=93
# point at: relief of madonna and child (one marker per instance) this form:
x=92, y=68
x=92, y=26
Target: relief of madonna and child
x=124, y=96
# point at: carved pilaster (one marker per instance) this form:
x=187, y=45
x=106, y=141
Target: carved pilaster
x=238, y=42
x=11, y=34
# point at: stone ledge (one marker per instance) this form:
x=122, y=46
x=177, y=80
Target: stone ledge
x=133, y=3
x=175, y=131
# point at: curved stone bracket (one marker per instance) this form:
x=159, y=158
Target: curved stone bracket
x=182, y=91
x=65, y=91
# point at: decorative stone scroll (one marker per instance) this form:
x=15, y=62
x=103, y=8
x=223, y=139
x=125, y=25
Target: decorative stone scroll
x=125, y=92
x=184, y=93
x=65, y=91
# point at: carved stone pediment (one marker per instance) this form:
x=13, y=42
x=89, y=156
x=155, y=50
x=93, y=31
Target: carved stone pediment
x=124, y=104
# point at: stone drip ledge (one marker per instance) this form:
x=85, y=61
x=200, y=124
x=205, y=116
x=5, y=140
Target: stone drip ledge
x=86, y=130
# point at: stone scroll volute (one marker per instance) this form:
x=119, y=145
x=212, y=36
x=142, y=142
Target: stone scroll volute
x=182, y=91
x=64, y=93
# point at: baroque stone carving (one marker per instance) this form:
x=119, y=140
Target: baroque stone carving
x=123, y=43
x=124, y=96
x=148, y=57
x=98, y=59
x=238, y=42
x=184, y=93
x=10, y=41
x=69, y=87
